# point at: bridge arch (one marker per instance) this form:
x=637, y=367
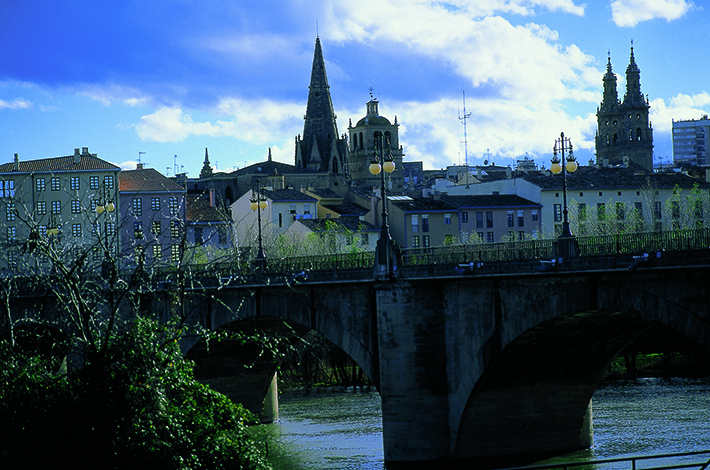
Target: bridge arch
x=341, y=314
x=539, y=374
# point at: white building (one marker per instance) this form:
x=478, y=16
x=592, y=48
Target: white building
x=691, y=140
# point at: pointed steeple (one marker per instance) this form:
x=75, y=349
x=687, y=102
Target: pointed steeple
x=633, y=94
x=319, y=144
x=610, y=99
x=206, y=168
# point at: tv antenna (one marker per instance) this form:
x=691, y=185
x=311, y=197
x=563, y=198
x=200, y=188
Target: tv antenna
x=464, y=118
x=139, y=156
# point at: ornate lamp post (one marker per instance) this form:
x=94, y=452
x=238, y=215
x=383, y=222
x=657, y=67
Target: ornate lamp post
x=566, y=242
x=258, y=202
x=105, y=205
x=386, y=250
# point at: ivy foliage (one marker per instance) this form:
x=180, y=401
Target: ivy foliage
x=137, y=404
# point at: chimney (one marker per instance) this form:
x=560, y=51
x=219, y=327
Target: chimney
x=85, y=150
x=139, y=166
x=77, y=156
x=16, y=166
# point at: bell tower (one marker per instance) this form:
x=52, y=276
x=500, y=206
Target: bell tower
x=624, y=128
x=363, y=137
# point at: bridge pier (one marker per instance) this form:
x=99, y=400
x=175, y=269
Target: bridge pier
x=413, y=382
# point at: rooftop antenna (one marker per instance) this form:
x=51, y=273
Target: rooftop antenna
x=167, y=171
x=139, y=156
x=175, y=165
x=464, y=118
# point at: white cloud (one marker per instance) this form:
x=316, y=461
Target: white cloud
x=171, y=125
x=629, y=13
x=17, y=103
x=679, y=108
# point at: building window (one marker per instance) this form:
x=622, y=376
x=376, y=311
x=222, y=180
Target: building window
x=92, y=205
x=489, y=219
x=93, y=182
x=41, y=207
x=292, y=209
x=464, y=217
x=521, y=235
x=306, y=209
x=138, y=229
x=480, y=236
x=489, y=237
x=558, y=212
x=534, y=216
x=74, y=183
x=601, y=210
x=620, y=211
x=415, y=241
x=137, y=206
x=511, y=219
x=156, y=227
x=638, y=207
x=582, y=211
x=175, y=228
x=11, y=234
x=157, y=252
x=222, y=234
x=54, y=184
x=174, y=253
x=425, y=223
x=365, y=239
x=511, y=236
x=447, y=219
x=40, y=184
x=479, y=220
x=173, y=205
x=12, y=259
x=96, y=229
x=7, y=188
x=521, y=219
x=198, y=236
x=76, y=230
x=108, y=182
x=110, y=229
x=56, y=207
x=10, y=213
x=138, y=251
x=415, y=223
x=75, y=206
x=155, y=203
x=426, y=241
x=657, y=213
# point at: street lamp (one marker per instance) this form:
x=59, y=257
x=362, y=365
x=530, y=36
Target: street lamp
x=258, y=203
x=105, y=205
x=386, y=250
x=566, y=243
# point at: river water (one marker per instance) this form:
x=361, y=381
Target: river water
x=343, y=429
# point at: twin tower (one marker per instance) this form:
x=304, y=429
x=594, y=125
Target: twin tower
x=624, y=131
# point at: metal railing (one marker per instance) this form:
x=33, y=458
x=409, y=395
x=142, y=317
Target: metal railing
x=699, y=460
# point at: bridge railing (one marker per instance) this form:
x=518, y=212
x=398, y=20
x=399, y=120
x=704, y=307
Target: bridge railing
x=699, y=460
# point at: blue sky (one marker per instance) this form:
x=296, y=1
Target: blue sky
x=173, y=77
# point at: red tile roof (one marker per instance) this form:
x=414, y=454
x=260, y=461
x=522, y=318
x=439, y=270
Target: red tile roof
x=145, y=180
x=57, y=164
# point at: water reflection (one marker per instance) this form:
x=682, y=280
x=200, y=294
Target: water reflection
x=343, y=430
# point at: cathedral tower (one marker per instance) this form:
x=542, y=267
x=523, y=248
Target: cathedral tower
x=362, y=148
x=320, y=148
x=623, y=128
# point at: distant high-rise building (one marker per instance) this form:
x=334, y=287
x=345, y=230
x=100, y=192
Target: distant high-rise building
x=691, y=139
x=623, y=127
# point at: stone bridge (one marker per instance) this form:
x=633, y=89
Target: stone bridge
x=472, y=364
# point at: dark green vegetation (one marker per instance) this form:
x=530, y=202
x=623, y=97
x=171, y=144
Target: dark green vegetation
x=135, y=405
x=660, y=352
x=318, y=362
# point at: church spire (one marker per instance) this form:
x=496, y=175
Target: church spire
x=320, y=147
x=610, y=97
x=633, y=94
x=206, y=168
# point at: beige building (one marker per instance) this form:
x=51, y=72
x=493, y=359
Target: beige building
x=56, y=199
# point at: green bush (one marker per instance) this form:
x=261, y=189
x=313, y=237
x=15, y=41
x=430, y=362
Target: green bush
x=133, y=403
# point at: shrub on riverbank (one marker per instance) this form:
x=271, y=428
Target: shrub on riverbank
x=135, y=404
